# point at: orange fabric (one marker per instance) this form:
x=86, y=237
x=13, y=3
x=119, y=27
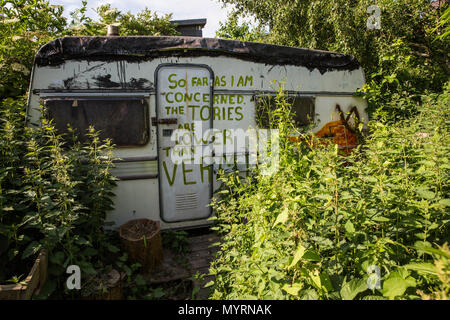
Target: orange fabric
x=338, y=132
x=341, y=135
x=334, y=132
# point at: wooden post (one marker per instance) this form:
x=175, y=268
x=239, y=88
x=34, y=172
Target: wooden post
x=141, y=238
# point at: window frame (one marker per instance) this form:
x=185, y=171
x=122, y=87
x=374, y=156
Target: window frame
x=272, y=95
x=106, y=97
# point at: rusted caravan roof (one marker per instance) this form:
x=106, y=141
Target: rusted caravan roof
x=141, y=48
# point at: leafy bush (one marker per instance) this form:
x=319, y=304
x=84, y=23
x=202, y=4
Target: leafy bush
x=323, y=223
x=51, y=196
x=143, y=23
x=404, y=58
x=26, y=25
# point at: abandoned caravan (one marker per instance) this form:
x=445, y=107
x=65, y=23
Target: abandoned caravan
x=140, y=91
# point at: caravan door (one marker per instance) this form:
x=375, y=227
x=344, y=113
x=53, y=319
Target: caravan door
x=184, y=114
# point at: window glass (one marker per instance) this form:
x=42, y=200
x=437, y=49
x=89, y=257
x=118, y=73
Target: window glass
x=302, y=110
x=125, y=121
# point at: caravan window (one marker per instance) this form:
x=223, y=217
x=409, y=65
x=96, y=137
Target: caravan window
x=123, y=120
x=303, y=110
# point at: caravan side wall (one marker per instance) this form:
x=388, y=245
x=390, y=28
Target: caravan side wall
x=149, y=186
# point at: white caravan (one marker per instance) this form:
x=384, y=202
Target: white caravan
x=139, y=90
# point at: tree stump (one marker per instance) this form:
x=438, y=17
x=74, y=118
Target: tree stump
x=106, y=286
x=141, y=238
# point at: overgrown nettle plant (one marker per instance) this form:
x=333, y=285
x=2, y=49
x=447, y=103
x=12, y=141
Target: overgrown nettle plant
x=52, y=196
x=326, y=226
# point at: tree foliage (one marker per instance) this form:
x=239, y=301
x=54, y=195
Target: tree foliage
x=232, y=29
x=144, y=23
x=406, y=56
x=26, y=25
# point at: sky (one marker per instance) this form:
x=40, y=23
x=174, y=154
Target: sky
x=181, y=9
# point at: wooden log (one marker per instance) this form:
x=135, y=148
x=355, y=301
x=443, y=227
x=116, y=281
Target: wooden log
x=141, y=238
x=109, y=287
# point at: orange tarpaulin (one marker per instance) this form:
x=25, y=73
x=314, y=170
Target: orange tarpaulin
x=339, y=132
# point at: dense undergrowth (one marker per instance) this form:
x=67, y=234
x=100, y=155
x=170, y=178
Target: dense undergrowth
x=326, y=226
x=51, y=197
x=55, y=195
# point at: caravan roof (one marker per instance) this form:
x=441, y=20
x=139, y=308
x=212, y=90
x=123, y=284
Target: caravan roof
x=141, y=48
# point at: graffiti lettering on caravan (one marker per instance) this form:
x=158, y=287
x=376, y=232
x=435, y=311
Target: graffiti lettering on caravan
x=196, y=146
x=234, y=81
x=234, y=148
x=204, y=113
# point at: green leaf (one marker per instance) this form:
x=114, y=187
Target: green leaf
x=87, y=268
x=32, y=249
x=444, y=202
x=422, y=267
x=351, y=289
x=57, y=258
x=424, y=247
x=90, y=251
x=325, y=281
x=195, y=290
x=315, y=278
x=112, y=248
x=139, y=280
x=327, y=197
x=209, y=284
x=309, y=294
x=82, y=242
x=123, y=257
x=294, y=289
x=381, y=219
x=396, y=284
x=282, y=217
x=425, y=193
x=298, y=255
x=311, y=255
x=349, y=227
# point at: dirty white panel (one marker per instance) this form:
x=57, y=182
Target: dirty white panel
x=135, y=199
x=235, y=82
x=244, y=75
x=247, y=75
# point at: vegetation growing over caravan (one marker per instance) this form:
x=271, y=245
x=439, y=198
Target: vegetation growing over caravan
x=329, y=227
x=371, y=225
x=320, y=226
x=54, y=196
